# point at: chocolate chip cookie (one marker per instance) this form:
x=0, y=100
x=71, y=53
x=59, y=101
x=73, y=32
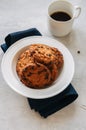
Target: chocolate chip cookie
x=39, y=65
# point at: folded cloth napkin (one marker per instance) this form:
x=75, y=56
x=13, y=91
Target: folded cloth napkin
x=13, y=37
x=50, y=105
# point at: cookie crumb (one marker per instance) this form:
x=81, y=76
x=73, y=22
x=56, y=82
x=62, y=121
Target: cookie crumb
x=78, y=52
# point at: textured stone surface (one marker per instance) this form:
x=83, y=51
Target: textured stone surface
x=15, y=113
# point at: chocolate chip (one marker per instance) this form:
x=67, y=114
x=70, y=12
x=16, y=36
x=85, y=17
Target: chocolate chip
x=29, y=74
x=49, y=55
x=24, y=78
x=46, y=76
x=48, y=48
x=32, y=67
x=31, y=53
x=25, y=69
x=30, y=84
x=36, y=49
x=38, y=46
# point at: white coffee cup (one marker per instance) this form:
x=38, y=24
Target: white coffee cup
x=62, y=28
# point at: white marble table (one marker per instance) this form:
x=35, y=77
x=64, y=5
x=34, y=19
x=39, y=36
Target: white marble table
x=15, y=113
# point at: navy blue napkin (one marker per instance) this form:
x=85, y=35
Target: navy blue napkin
x=13, y=37
x=50, y=105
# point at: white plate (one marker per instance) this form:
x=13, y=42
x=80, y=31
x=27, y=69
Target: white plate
x=9, y=61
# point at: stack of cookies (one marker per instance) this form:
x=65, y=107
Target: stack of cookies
x=39, y=65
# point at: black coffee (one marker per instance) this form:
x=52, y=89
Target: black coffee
x=61, y=16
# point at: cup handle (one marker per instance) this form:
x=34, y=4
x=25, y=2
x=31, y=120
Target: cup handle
x=77, y=11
